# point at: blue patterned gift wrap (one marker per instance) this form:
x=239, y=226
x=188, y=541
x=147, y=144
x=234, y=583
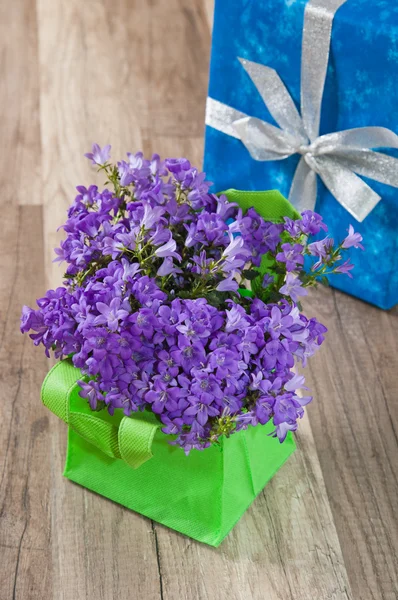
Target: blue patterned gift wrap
x=361, y=90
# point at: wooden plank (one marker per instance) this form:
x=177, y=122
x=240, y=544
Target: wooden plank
x=355, y=421
x=177, y=80
x=20, y=168
x=25, y=565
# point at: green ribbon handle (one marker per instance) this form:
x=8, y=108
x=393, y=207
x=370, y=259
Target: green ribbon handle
x=270, y=205
x=131, y=441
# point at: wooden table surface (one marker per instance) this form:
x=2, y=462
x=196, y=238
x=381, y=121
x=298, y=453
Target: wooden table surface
x=133, y=73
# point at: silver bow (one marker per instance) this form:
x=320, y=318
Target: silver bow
x=338, y=158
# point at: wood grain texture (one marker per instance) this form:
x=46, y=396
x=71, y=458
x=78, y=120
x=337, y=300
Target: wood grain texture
x=355, y=420
x=284, y=547
x=25, y=565
x=134, y=74
x=19, y=99
x=119, y=72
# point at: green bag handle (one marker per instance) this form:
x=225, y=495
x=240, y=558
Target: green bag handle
x=131, y=441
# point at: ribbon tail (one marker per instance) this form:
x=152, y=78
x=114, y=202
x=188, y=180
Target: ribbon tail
x=304, y=187
x=349, y=190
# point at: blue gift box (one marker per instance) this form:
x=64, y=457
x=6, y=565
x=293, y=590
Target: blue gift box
x=360, y=90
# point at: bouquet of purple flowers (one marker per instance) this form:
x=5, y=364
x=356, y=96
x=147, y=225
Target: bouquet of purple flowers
x=177, y=302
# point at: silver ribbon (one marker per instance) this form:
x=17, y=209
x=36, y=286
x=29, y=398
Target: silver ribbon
x=338, y=158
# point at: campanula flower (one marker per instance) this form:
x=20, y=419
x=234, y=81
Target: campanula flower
x=353, y=239
x=293, y=287
x=98, y=155
x=151, y=309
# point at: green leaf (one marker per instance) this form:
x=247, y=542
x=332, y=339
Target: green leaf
x=325, y=281
x=306, y=277
x=184, y=294
x=216, y=299
x=250, y=274
x=257, y=287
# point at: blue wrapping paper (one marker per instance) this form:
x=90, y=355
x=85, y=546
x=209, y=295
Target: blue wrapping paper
x=361, y=90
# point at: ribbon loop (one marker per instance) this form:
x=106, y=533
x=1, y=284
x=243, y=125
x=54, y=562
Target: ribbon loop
x=131, y=441
x=263, y=140
x=99, y=433
x=135, y=441
x=338, y=158
x=277, y=98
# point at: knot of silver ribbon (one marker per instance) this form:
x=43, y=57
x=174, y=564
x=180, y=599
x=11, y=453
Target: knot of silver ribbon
x=338, y=158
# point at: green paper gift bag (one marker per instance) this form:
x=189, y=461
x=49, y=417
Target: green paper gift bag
x=130, y=461
x=202, y=495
